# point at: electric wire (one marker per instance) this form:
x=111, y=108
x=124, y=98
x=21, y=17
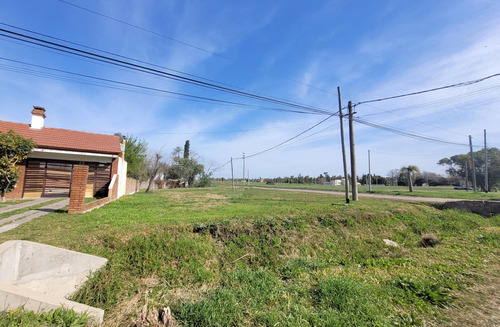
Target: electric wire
x=431, y=90
x=136, y=67
x=193, y=46
x=179, y=95
x=406, y=133
x=292, y=138
x=130, y=58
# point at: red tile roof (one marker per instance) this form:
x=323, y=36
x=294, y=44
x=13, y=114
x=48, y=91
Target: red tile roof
x=65, y=139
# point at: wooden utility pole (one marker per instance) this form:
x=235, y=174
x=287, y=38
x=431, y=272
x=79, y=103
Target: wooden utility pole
x=232, y=173
x=354, y=179
x=466, y=177
x=344, y=160
x=243, y=176
x=486, y=186
x=474, y=187
x=369, y=173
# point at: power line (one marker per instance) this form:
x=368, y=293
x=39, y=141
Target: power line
x=431, y=90
x=406, y=133
x=191, y=45
x=129, y=58
x=437, y=101
x=183, y=96
x=294, y=137
x=156, y=72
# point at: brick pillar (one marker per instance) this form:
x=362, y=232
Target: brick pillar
x=78, y=186
x=17, y=192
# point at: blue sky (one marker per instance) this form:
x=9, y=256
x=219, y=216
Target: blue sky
x=298, y=51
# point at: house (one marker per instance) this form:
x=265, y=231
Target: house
x=49, y=168
x=335, y=182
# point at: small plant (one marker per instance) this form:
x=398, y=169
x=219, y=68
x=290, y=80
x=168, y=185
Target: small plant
x=429, y=240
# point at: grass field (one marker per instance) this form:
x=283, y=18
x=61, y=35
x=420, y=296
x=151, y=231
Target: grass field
x=252, y=257
x=424, y=191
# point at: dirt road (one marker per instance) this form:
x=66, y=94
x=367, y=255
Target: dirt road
x=368, y=195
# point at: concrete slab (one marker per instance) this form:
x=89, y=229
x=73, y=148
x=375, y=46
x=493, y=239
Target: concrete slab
x=40, y=277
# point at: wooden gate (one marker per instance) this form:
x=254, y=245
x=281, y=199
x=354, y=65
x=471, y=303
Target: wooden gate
x=52, y=178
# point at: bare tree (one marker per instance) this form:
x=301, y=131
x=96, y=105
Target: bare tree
x=155, y=166
x=393, y=174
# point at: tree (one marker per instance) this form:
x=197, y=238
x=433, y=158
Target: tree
x=136, y=152
x=13, y=149
x=457, y=163
x=393, y=175
x=186, y=168
x=411, y=173
x=186, y=150
x=155, y=166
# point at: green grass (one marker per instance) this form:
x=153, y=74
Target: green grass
x=424, y=191
x=260, y=257
x=55, y=318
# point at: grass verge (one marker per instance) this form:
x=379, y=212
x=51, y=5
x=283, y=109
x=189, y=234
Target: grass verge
x=253, y=257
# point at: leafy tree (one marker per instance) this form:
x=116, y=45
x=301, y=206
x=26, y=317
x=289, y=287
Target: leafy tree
x=456, y=167
x=136, y=152
x=410, y=172
x=186, y=168
x=13, y=149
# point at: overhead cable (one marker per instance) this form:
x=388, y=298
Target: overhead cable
x=183, y=96
x=292, y=138
x=431, y=90
x=153, y=71
x=191, y=45
x=406, y=133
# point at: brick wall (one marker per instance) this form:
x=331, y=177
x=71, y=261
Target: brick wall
x=78, y=187
x=17, y=192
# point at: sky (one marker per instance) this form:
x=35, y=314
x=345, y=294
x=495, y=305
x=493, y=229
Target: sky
x=293, y=53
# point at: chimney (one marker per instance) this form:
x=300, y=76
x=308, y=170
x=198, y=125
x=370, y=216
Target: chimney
x=37, y=117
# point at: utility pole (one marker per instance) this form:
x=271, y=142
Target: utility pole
x=344, y=161
x=369, y=173
x=232, y=173
x=486, y=186
x=248, y=177
x=466, y=177
x=353, y=155
x=243, y=176
x=473, y=165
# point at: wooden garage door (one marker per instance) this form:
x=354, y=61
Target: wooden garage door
x=46, y=178
x=52, y=178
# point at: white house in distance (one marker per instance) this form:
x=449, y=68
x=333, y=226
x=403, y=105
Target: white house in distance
x=335, y=182
x=48, y=170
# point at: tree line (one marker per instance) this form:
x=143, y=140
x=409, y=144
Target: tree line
x=459, y=168
x=154, y=167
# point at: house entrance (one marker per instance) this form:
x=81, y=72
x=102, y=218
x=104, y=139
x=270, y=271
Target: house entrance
x=52, y=178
